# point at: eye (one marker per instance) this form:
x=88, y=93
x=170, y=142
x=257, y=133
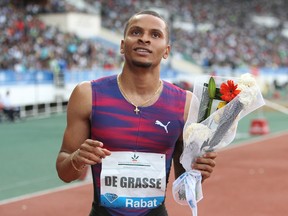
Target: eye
x=156, y=35
x=135, y=32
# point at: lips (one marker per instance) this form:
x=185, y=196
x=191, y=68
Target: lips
x=142, y=50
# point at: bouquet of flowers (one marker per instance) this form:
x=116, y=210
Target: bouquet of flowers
x=217, y=105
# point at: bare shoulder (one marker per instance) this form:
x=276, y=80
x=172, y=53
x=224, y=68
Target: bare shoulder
x=83, y=87
x=81, y=98
x=189, y=95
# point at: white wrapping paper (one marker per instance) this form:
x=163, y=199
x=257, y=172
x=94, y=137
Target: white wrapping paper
x=213, y=132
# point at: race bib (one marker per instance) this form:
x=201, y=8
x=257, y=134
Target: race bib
x=133, y=180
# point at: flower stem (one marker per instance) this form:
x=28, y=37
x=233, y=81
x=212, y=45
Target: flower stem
x=209, y=107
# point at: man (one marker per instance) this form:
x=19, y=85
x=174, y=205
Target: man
x=9, y=109
x=128, y=127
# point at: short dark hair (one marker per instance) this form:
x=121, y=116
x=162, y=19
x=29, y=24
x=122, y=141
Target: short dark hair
x=148, y=12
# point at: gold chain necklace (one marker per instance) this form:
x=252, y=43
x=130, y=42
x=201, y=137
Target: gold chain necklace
x=136, y=110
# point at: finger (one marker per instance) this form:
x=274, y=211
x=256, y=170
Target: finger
x=203, y=167
x=92, y=152
x=211, y=155
x=205, y=175
x=205, y=170
x=205, y=161
x=101, y=152
x=94, y=143
x=93, y=155
x=89, y=158
x=97, y=157
x=106, y=152
x=93, y=146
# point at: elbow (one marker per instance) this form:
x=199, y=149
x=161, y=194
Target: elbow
x=64, y=178
x=62, y=175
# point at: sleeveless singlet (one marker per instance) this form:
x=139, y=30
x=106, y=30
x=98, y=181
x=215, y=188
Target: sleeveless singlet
x=155, y=129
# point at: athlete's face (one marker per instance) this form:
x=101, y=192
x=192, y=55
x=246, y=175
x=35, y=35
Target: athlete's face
x=146, y=41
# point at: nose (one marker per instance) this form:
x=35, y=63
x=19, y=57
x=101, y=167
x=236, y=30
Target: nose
x=144, y=39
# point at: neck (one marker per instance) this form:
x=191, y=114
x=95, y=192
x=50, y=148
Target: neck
x=141, y=93
x=139, y=85
x=139, y=80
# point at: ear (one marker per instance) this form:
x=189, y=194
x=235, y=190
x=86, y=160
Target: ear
x=165, y=56
x=122, y=47
x=166, y=53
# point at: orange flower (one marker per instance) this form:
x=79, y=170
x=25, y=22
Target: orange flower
x=229, y=91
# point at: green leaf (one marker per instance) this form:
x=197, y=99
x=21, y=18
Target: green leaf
x=211, y=88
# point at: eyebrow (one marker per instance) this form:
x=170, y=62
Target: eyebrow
x=140, y=28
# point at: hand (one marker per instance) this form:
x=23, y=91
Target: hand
x=90, y=152
x=205, y=164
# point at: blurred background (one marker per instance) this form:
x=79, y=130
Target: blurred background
x=48, y=46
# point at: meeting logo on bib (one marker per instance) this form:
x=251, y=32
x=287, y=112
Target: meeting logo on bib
x=134, y=158
x=111, y=197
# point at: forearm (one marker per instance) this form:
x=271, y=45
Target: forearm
x=178, y=168
x=65, y=169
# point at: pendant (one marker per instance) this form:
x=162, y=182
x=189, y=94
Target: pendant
x=136, y=110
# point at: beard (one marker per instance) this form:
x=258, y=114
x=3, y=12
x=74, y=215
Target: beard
x=142, y=64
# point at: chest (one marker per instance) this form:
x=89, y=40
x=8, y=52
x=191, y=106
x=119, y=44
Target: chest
x=155, y=128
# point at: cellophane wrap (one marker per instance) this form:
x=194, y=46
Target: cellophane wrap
x=201, y=135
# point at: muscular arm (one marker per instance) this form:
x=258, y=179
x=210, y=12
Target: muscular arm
x=204, y=164
x=76, y=136
x=178, y=168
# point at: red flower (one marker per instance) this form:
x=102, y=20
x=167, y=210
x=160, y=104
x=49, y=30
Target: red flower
x=229, y=91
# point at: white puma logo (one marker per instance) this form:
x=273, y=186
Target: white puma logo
x=157, y=122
